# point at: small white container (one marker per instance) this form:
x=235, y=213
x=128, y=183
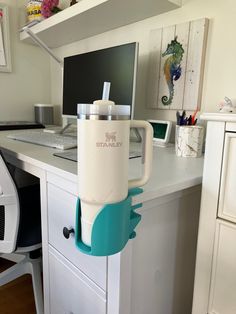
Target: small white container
x=189, y=140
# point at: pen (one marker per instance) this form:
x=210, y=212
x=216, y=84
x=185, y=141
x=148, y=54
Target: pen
x=194, y=115
x=182, y=118
x=189, y=120
x=177, y=118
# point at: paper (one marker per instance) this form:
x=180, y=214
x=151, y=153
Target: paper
x=2, y=52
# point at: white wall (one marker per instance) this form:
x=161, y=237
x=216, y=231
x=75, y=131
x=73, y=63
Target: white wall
x=220, y=65
x=29, y=81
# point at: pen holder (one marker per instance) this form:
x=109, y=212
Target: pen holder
x=189, y=140
x=113, y=226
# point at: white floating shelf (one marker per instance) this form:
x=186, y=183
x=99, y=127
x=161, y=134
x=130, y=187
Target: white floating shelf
x=91, y=17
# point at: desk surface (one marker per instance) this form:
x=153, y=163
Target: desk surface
x=170, y=173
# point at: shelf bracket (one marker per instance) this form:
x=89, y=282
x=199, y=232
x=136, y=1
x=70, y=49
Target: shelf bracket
x=41, y=44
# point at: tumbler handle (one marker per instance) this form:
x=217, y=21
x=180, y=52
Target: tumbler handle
x=147, y=152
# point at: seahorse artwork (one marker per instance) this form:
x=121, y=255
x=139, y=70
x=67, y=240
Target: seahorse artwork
x=172, y=68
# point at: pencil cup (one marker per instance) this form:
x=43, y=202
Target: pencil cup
x=189, y=140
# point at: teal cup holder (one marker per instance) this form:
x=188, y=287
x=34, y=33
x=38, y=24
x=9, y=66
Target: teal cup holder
x=113, y=226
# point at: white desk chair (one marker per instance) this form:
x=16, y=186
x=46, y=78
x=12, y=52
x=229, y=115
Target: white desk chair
x=20, y=232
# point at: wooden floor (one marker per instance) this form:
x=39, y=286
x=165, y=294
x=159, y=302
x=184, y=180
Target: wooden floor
x=17, y=296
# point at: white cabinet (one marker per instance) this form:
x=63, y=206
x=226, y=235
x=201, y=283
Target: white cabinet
x=215, y=271
x=71, y=292
x=223, y=282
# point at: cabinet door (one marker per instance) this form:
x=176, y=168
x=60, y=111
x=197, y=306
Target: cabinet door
x=227, y=200
x=223, y=283
x=71, y=292
x=61, y=213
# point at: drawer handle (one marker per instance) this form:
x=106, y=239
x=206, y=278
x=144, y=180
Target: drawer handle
x=67, y=232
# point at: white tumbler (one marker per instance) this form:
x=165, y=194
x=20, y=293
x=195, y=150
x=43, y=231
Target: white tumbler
x=103, y=157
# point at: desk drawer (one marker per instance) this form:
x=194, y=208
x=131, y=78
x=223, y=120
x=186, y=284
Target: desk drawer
x=61, y=213
x=223, y=281
x=71, y=292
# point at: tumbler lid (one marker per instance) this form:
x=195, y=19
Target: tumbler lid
x=103, y=110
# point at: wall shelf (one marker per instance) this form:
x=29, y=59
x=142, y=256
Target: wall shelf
x=91, y=17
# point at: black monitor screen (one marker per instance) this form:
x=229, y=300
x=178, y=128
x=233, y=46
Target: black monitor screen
x=85, y=74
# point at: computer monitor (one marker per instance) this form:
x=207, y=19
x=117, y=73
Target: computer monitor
x=85, y=74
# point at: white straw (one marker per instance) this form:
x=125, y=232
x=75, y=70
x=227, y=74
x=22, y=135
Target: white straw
x=106, y=90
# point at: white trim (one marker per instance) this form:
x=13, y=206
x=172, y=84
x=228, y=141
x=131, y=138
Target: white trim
x=6, y=38
x=43, y=105
x=225, y=117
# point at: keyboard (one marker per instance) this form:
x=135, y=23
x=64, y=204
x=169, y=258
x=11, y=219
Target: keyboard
x=18, y=125
x=45, y=139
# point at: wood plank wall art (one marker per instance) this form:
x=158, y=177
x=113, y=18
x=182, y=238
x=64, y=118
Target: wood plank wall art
x=176, y=64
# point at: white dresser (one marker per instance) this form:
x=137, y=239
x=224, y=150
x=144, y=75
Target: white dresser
x=215, y=274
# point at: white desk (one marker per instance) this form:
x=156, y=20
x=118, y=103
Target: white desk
x=153, y=274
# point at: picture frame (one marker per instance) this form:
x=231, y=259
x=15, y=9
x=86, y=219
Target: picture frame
x=5, y=52
x=176, y=65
